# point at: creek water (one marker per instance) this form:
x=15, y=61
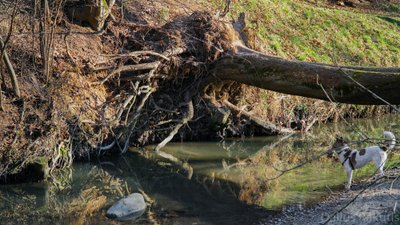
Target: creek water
x=235, y=181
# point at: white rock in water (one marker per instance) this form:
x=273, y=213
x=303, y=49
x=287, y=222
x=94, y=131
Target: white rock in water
x=128, y=208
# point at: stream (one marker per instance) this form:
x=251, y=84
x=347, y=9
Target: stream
x=235, y=181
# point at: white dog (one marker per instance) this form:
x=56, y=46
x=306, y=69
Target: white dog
x=353, y=159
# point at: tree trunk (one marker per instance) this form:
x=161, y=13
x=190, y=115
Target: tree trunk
x=10, y=69
x=303, y=78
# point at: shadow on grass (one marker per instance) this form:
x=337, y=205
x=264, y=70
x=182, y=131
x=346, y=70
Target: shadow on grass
x=390, y=20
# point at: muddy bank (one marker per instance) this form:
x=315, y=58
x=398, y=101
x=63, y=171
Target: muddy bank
x=377, y=205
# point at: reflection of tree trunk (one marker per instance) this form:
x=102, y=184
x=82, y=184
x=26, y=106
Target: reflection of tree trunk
x=303, y=78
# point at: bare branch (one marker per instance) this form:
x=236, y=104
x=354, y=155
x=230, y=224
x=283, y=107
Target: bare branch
x=131, y=68
x=185, y=120
x=282, y=172
x=4, y=56
x=138, y=53
x=269, y=126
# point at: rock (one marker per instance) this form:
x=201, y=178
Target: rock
x=128, y=208
x=93, y=12
x=220, y=117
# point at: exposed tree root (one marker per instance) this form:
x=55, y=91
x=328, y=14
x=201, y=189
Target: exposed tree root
x=137, y=54
x=184, y=121
x=132, y=68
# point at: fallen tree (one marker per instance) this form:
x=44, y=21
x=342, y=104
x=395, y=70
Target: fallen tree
x=157, y=84
x=344, y=83
x=197, y=62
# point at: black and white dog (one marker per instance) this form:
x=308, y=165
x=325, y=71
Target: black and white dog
x=353, y=159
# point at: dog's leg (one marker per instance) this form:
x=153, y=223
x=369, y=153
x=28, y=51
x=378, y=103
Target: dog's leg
x=349, y=172
x=380, y=163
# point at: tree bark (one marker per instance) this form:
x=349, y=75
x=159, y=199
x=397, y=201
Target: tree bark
x=304, y=79
x=10, y=69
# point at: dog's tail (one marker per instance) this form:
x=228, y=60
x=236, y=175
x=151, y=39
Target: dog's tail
x=390, y=138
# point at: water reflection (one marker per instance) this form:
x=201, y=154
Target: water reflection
x=249, y=163
x=228, y=186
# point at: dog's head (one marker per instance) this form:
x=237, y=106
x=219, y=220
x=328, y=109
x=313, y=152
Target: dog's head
x=337, y=146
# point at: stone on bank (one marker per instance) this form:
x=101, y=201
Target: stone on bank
x=128, y=208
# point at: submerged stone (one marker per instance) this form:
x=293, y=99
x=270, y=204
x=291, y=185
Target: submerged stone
x=128, y=208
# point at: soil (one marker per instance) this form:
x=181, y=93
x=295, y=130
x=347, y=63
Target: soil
x=70, y=109
x=377, y=205
x=372, y=6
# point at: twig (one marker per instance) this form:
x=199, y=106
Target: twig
x=138, y=53
x=226, y=9
x=141, y=77
x=391, y=185
x=107, y=147
x=68, y=52
x=157, y=107
x=131, y=68
x=297, y=166
x=351, y=201
x=124, y=105
x=268, y=126
x=134, y=119
x=269, y=147
x=394, y=210
x=329, y=189
x=135, y=88
x=21, y=120
x=354, y=128
x=369, y=91
x=185, y=120
x=310, y=125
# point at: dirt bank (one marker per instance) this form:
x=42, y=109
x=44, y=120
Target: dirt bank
x=133, y=83
x=377, y=205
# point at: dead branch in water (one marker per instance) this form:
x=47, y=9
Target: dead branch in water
x=184, y=121
x=266, y=125
x=263, y=150
x=282, y=172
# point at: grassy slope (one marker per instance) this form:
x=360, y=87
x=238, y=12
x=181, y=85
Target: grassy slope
x=318, y=33
x=302, y=31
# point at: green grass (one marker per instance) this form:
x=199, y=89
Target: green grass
x=309, y=183
x=297, y=30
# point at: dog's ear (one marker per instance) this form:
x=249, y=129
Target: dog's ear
x=339, y=138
